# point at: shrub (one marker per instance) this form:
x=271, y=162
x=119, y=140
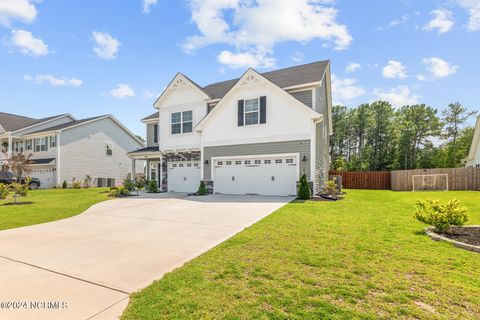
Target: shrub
x=87, y=182
x=119, y=192
x=129, y=185
x=4, y=191
x=303, y=191
x=202, y=189
x=19, y=190
x=440, y=215
x=139, y=183
x=64, y=184
x=152, y=186
x=330, y=188
x=76, y=184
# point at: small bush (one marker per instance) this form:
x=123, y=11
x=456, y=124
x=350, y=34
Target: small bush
x=202, y=189
x=119, y=192
x=129, y=185
x=77, y=185
x=330, y=188
x=440, y=215
x=64, y=184
x=303, y=191
x=87, y=182
x=4, y=191
x=19, y=190
x=152, y=186
x=139, y=183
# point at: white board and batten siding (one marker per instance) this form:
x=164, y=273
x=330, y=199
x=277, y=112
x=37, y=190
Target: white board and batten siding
x=284, y=120
x=83, y=151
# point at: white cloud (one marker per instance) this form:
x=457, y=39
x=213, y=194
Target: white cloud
x=106, y=46
x=22, y=10
x=297, y=56
x=148, y=94
x=54, y=81
x=442, y=21
x=421, y=77
x=147, y=4
x=255, y=27
x=394, y=70
x=345, y=89
x=245, y=60
x=122, y=91
x=473, y=8
x=398, y=96
x=28, y=44
x=439, y=68
x=352, y=67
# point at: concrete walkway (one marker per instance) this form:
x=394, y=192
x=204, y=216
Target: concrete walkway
x=85, y=267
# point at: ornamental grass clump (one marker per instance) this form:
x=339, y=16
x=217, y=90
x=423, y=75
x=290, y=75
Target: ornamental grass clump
x=441, y=215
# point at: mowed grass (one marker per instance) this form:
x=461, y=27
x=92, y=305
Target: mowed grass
x=48, y=205
x=364, y=257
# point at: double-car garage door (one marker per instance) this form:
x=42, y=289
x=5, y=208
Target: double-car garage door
x=274, y=175
x=264, y=175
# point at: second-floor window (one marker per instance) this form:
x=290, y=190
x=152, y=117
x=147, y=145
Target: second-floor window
x=109, y=149
x=40, y=144
x=182, y=122
x=155, y=133
x=252, y=111
x=28, y=144
x=53, y=141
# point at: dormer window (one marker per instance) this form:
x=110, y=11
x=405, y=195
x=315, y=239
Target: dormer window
x=182, y=122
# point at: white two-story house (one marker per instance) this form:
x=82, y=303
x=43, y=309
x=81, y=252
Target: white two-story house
x=253, y=135
x=63, y=148
x=473, y=159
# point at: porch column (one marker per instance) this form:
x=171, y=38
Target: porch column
x=160, y=173
x=10, y=147
x=134, y=168
x=148, y=170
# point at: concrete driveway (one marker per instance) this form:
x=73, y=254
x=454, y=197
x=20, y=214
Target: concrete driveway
x=85, y=267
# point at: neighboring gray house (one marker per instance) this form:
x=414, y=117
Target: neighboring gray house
x=253, y=135
x=64, y=148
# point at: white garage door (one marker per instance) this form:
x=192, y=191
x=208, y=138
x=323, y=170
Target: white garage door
x=256, y=175
x=183, y=176
x=45, y=175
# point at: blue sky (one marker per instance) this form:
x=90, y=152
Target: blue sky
x=94, y=57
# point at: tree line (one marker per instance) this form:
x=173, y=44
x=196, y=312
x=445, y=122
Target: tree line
x=376, y=137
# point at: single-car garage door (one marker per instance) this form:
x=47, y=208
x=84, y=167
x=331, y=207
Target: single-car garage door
x=183, y=176
x=46, y=175
x=265, y=175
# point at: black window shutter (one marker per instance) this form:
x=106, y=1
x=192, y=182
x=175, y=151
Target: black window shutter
x=240, y=113
x=155, y=133
x=263, y=109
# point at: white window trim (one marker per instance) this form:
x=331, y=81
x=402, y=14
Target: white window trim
x=245, y=112
x=181, y=123
x=106, y=149
x=45, y=143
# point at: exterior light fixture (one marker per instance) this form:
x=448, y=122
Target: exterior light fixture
x=304, y=158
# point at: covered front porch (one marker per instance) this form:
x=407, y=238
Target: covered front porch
x=183, y=167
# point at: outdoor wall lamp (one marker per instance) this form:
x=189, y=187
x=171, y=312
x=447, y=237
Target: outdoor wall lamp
x=304, y=158
x=206, y=162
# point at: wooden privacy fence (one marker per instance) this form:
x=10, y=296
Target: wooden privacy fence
x=458, y=178
x=374, y=180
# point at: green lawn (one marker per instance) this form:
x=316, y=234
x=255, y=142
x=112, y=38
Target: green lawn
x=365, y=257
x=48, y=205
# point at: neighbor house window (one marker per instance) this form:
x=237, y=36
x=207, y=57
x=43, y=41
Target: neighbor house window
x=28, y=144
x=40, y=144
x=182, y=122
x=155, y=133
x=252, y=111
x=53, y=141
x=109, y=149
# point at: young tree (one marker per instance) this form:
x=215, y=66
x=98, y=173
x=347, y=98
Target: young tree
x=19, y=164
x=454, y=119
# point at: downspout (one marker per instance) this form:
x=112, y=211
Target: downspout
x=57, y=163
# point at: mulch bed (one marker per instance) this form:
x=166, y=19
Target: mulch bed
x=470, y=235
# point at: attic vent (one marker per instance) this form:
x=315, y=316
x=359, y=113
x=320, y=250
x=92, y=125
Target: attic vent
x=249, y=80
x=179, y=83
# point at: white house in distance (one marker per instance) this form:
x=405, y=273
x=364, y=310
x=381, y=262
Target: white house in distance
x=473, y=159
x=253, y=135
x=64, y=148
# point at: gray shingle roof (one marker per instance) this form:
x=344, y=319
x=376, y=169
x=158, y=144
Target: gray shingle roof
x=283, y=78
x=147, y=149
x=152, y=116
x=13, y=122
x=67, y=125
